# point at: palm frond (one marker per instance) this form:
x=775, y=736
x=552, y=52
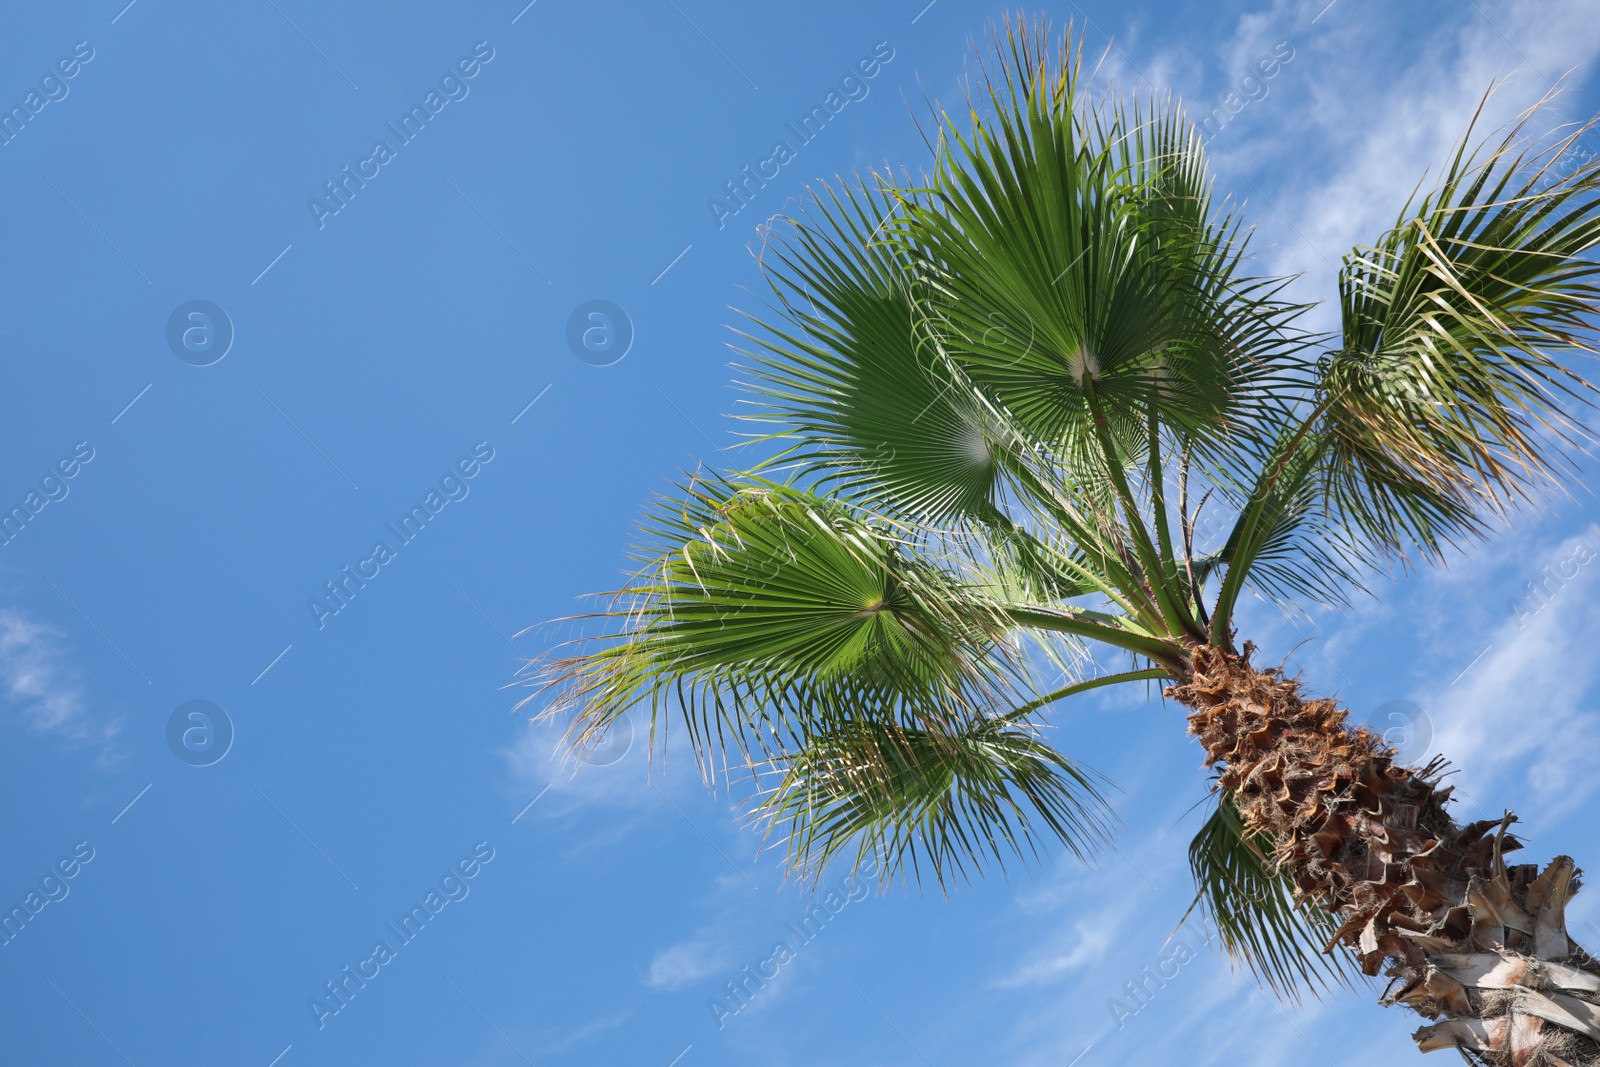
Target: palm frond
x=838, y=370
x=757, y=600
x=945, y=805
x=1251, y=900
x=1450, y=398
x=1285, y=543
x=1070, y=264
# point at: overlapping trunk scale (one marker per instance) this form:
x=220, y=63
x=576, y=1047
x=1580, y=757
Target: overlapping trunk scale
x=1465, y=939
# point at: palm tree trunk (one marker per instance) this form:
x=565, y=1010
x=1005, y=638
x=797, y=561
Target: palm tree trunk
x=1465, y=939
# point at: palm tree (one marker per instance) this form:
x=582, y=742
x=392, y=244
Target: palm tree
x=1034, y=406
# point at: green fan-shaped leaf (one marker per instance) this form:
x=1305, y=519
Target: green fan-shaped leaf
x=1447, y=398
x=942, y=803
x=1071, y=267
x=1251, y=900
x=839, y=369
x=757, y=597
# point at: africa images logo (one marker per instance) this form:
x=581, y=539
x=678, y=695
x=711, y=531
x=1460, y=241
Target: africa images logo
x=53, y=487
x=852, y=87
x=452, y=87
x=453, y=887
x=53, y=87
x=453, y=486
x=741, y=991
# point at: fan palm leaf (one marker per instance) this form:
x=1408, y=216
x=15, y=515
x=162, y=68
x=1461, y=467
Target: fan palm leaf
x=995, y=402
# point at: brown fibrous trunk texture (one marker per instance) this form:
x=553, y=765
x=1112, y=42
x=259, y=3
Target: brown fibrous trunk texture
x=1431, y=904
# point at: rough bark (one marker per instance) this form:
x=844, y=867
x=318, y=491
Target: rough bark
x=1465, y=939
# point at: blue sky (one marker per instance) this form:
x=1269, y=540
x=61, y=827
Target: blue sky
x=571, y=153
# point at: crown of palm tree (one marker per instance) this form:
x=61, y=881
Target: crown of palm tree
x=1004, y=408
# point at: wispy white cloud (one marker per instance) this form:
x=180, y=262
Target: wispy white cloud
x=540, y=759
x=685, y=962
x=1524, y=716
x=1084, y=941
x=1347, y=153
x=43, y=689
x=562, y=1042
